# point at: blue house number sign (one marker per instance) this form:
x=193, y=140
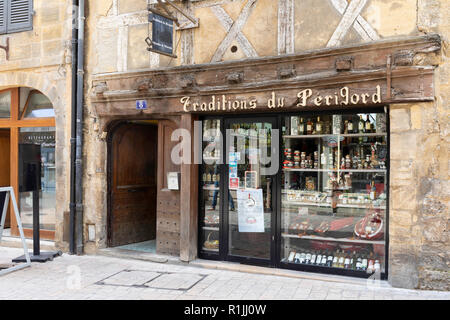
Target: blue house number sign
x=141, y=104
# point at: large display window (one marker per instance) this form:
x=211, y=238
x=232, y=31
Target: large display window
x=334, y=192
x=324, y=210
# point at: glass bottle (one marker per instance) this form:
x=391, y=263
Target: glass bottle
x=301, y=127
x=318, y=259
x=364, y=263
x=336, y=260
x=358, y=263
x=367, y=125
x=350, y=126
x=341, y=259
x=308, y=258
x=309, y=127
x=324, y=259
x=361, y=124
x=373, y=191
x=330, y=259
x=318, y=126
x=313, y=258
x=347, y=263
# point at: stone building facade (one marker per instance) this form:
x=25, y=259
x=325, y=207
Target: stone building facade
x=39, y=59
x=230, y=33
x=419, y=179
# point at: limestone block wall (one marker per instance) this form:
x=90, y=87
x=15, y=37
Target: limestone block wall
x=40, y=58
x=420, y=171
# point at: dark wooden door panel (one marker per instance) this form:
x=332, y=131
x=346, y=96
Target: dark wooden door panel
x=5, y=167
x=133, y=184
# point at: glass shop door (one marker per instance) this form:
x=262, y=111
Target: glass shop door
x=252, y=162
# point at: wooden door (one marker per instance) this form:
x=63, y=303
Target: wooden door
x=132, y=212
x=5, y=167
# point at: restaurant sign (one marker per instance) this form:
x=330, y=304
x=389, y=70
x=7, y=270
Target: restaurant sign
x=305, y=98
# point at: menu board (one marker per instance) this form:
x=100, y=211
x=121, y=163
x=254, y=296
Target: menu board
x=250, y=210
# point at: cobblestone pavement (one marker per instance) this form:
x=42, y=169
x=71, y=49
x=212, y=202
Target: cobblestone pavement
x=100, y=277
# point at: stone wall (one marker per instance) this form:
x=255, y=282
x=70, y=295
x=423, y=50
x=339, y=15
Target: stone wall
x=40, y=59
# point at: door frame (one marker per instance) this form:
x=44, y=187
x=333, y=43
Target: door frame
x=224, y=240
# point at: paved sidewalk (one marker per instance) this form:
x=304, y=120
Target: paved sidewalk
x=102, y=277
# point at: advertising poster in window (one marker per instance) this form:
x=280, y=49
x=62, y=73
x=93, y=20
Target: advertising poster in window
x=250, y=210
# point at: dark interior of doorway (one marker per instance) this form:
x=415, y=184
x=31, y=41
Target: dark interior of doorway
x=132, y=180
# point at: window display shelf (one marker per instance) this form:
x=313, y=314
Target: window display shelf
x=210, y=188
x=328, y=205
x=212, y=250
x=211, y=228
x=350, y=135
x=336, y=170
x=306, y=237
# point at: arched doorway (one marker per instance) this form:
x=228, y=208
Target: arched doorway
x=27, y=131
x=132, y=184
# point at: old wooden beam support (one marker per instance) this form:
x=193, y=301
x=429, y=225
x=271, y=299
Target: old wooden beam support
x=189, y=198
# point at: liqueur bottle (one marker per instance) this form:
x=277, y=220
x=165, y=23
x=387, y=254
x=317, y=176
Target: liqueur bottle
x=297, y=258
x=309, y=127
x=361, y=124
x=318, y=126
x=346, y=126
x=336, y=260
x=323, y=159
x=302, y=257
x=341, y=260
x=294, y=126
x=301, y=127
x=350, y=126
x=347, y=263
x=353, y=261
x=318, y=259
x=324, y=259
x=330, y=260
x=364, y=263
x=358, y=263
x=313, y=258
x=373, y=191
x=368, y=126
x=371, y=262
x=377, y=266
x=308, y=258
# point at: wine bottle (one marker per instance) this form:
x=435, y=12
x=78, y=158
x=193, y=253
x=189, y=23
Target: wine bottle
x=367, y=125
x=318, y=259
x=309, y=127
x=354, y=260
x=308, y=258
x=350, y=126
x=336, y=260
x=330, y=260
x=313, y=258
x=324, y=259
x=341, y=260
x=361, y=124
x=347, y=263
x=364, y=263
x=318, y=126
x=301, y=127
x=358, y=264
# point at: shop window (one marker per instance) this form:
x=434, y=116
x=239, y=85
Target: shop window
x=5, y=104
x=16, y=16
x=38, y=144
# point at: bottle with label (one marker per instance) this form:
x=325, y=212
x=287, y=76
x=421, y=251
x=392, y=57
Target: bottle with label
x=313, y=258
x=361, y=124
x=358, y=263
x=308, y=258
x=373, y=191
x=301, y=127
x=364, y=263
x=323, y=159
x=318, y=126
x=368, y=126
x=370, y=263
x=309, y=127
x=347, y=263
x=302, y=257
x=297, y=258
x=330, y=260
x=377, y=266
x=324, y=259
x=294, y=126
x=353, y=261
x=336, y=259
x=350, y=126
x=341, y=260
x=318, y=259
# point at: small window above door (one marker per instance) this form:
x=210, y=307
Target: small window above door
x=37, y=106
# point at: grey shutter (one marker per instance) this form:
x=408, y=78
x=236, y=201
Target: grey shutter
x=20, y=15
x=2, y=16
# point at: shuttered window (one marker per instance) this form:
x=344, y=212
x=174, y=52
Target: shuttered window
x=16, y=15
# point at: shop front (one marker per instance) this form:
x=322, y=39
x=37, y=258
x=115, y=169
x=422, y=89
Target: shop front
x=294, y=165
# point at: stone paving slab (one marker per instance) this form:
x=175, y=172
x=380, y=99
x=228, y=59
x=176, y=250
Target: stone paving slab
x=78, y=277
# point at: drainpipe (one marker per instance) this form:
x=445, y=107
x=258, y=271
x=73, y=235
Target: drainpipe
x=73, y=127
x=79, y=132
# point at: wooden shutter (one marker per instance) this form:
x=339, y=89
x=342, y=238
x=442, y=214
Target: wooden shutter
x=20, y=15
x=2, y=16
